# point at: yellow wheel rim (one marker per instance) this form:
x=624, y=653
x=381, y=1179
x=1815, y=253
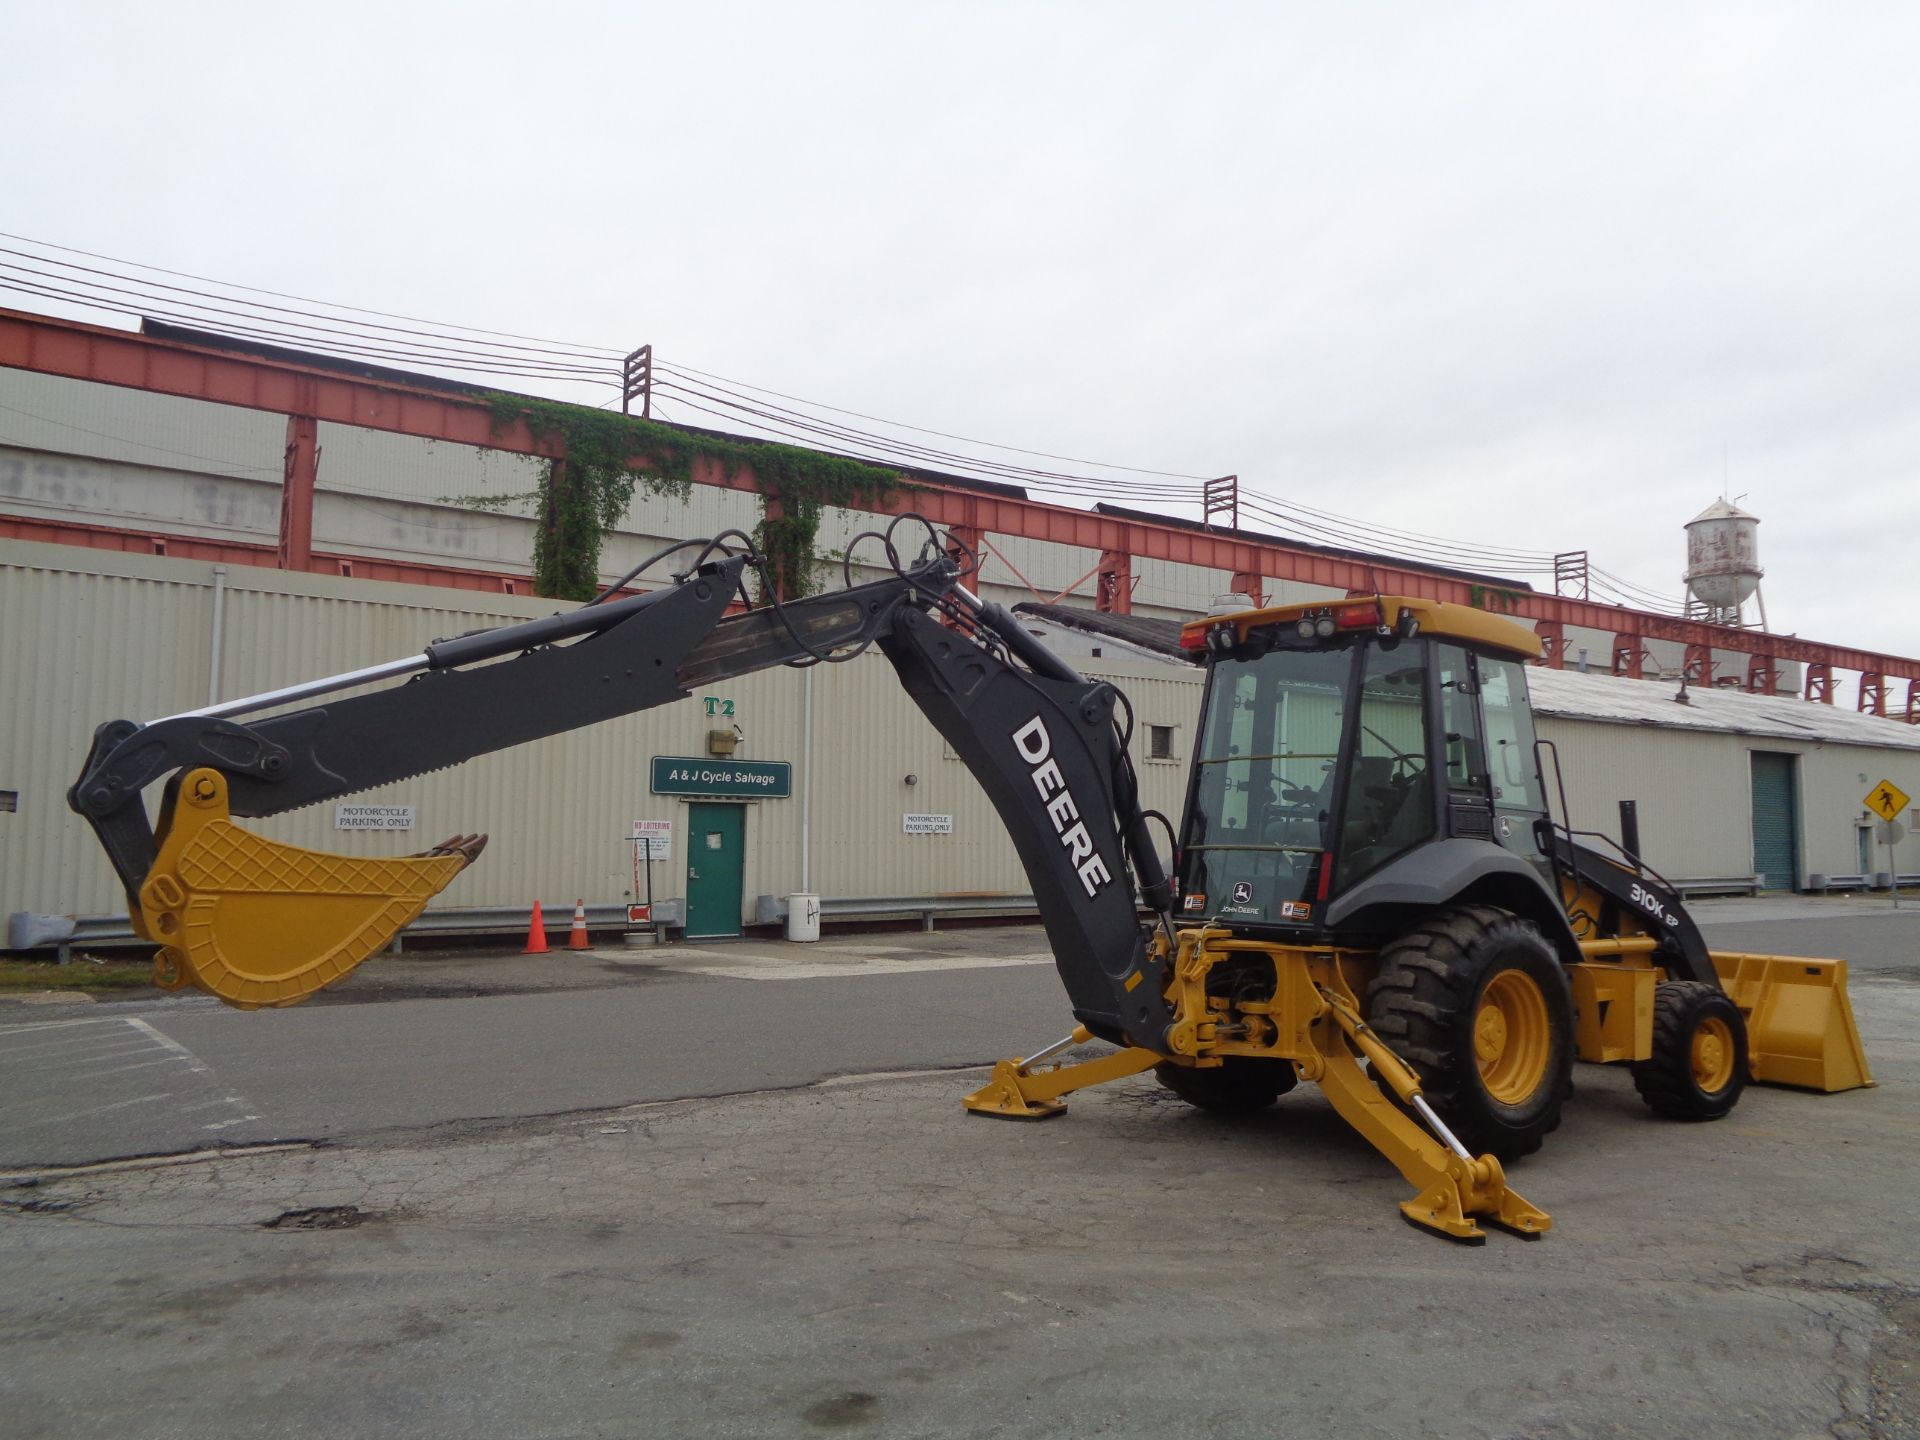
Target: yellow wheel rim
x=1712, y=1055
x=1512, y=1037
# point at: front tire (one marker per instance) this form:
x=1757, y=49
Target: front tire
x=1699, y=1063
x=1478, y=1004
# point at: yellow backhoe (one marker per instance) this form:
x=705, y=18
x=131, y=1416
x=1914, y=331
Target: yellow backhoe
x=1370, y=889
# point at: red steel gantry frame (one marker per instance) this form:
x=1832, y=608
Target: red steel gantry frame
x=309, y=395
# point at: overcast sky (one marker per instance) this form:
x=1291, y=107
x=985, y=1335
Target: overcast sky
x=1531, y=275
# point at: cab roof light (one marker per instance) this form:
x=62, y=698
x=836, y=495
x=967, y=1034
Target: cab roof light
x=1358, y=617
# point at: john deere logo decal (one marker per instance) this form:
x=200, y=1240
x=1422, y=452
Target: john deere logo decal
x=1242, y=892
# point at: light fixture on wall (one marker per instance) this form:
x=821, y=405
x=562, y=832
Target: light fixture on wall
x=911, y=780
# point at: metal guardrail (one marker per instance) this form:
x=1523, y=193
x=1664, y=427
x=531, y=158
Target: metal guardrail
x=927, y=907
x=1879, y=880
x=1719, y=885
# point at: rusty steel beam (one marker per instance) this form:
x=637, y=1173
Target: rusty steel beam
x=296, y=493
x=1553, y=643
x=1115, y=591
x=168, y=367
x=113, y=357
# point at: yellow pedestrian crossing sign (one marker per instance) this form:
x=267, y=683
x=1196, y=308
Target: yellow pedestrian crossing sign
x=1887, y=800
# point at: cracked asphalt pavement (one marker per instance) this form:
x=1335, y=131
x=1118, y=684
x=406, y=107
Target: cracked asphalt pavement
x=851, y=1255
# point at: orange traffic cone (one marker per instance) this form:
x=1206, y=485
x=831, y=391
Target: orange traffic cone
x=536, y=934
x=577, y=937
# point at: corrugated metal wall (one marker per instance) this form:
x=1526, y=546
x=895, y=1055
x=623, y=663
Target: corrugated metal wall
x=1695, y=795
x=1690, y=787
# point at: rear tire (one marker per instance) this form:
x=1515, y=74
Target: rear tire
x=1240, y=1085
x=1478, y=1004
x=1699, y=1063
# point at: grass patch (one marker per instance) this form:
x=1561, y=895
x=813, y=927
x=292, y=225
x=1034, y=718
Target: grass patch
x=81, y=974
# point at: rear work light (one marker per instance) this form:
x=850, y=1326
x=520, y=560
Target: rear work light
x=1358, y=617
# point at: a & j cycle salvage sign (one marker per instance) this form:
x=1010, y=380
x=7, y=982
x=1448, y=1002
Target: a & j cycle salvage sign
x=689, y=775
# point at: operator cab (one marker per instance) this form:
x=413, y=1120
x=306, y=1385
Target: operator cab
x=1336, y=738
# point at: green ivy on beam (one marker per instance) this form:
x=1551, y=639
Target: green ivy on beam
x=607, y=456
x=1492, y=597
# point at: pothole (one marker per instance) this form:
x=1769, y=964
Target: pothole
x=319, y=1217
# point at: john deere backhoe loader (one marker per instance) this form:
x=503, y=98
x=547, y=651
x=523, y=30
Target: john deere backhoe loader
x=1372, y=894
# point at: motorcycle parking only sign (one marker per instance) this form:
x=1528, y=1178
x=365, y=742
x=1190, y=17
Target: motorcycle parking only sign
x=373, y=817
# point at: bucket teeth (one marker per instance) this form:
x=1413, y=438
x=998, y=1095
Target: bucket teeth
x=467, y=847
x=254, y=922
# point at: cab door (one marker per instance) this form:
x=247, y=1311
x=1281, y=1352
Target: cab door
x=1463, y=749
x=1512, y=760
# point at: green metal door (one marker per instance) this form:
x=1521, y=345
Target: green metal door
x=1776, y=821
x=716, y=863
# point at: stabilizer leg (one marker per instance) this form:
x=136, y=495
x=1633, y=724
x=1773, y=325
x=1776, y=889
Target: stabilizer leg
x=1017, y=1092
x=1455, y=1188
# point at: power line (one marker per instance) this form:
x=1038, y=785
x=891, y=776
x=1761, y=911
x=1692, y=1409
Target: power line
x=921, y=454
x=105, y=296
x=280, y=295
x=330, y=330
x=265, y=333
x=688, y=370
x=69, y=272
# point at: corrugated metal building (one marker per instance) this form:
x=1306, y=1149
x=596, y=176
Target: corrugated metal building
x=134, y=460
x=1727, y=784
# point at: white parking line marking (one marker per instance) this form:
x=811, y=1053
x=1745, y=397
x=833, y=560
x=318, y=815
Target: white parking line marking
x=237, y=1120
x=194, y=1062
x=141, y=1065
x=94, y=1057
x=770, y=969
x=49, y=1046
x=54, y=1024
x=97, y=1110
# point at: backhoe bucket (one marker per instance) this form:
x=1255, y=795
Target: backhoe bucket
x=255, y=922
x=1800, y=1027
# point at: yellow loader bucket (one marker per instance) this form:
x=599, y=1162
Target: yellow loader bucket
x=255, y=922
x=1800, y=1028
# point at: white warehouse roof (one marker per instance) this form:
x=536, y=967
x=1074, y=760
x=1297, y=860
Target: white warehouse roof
x=1571, y=695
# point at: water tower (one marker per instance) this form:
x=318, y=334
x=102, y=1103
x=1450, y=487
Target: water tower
x=1723, y=565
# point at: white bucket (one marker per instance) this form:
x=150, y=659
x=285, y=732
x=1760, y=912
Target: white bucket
x=803, y=917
